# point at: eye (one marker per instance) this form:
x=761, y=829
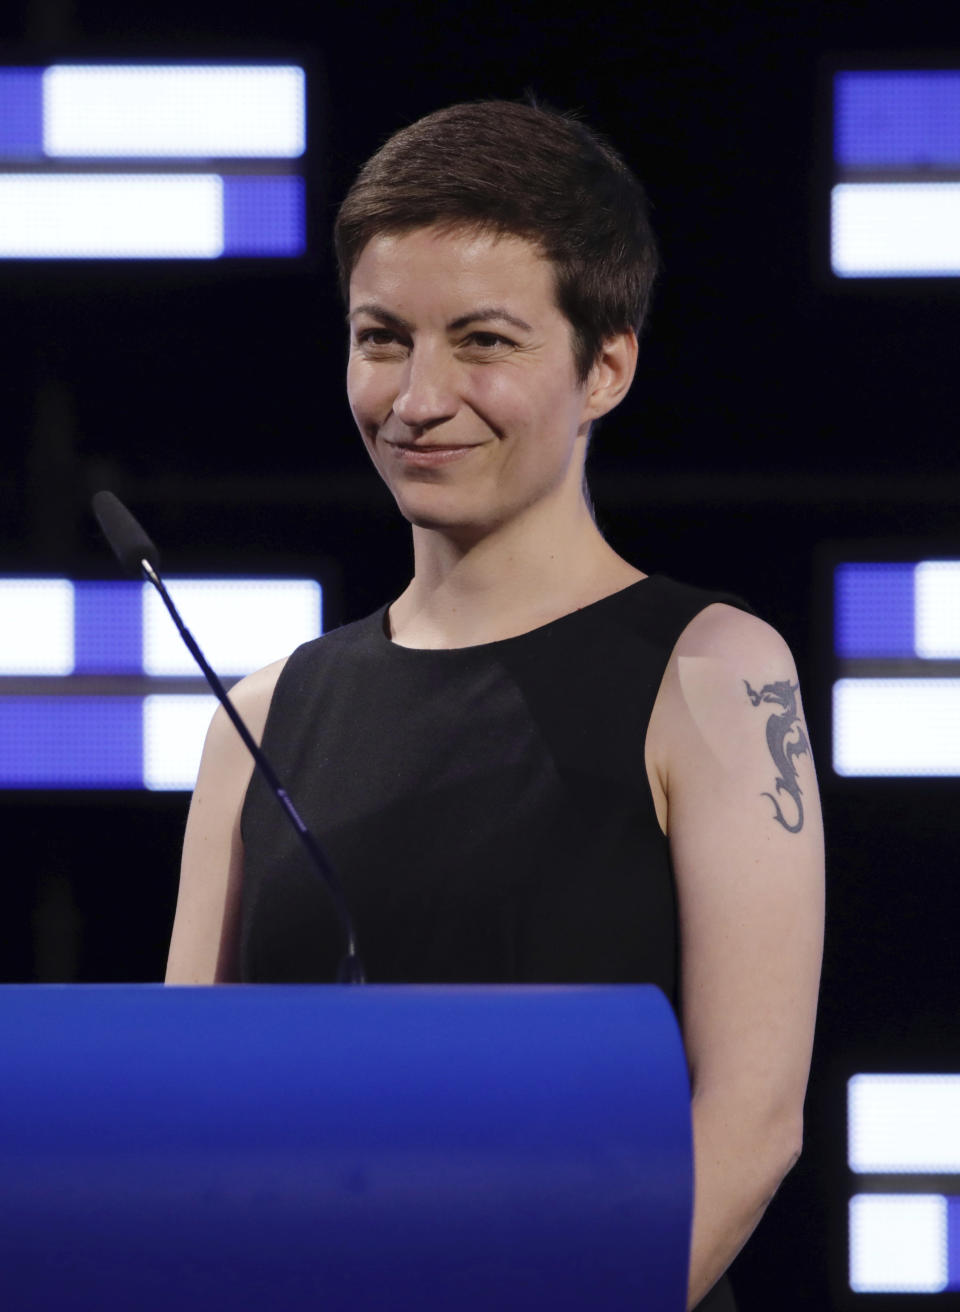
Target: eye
x=486, y=341
x=376, y=336
x=379, y=342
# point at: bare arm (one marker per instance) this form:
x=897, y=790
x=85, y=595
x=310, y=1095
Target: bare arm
x=203, y=946
x=748, y=860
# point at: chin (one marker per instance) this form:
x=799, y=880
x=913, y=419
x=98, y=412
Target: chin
x=443, y=514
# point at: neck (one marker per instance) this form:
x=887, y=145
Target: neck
x=505, y=582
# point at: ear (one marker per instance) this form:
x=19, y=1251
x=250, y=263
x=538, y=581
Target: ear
x=611, y=375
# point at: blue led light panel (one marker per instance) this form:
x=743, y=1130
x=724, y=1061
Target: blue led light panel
x=896, y=700
x=218, y=151
x=905, y=1238
x=71, y=742
x=149, y=111
x=21, y=113
x=895, y=202
x=873, y=607
x=97, y=689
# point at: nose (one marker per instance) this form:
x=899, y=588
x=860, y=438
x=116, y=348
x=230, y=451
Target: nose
x=427, y=395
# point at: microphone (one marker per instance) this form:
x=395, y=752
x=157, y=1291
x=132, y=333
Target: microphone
x=128, y=540
x=138, y=555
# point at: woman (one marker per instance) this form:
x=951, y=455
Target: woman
x=537, y=764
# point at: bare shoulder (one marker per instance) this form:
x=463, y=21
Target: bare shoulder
x=723, y=660
x=725, y=663
x=224, y=755
x=724, y=633
x=204, y=941
x=252, y=696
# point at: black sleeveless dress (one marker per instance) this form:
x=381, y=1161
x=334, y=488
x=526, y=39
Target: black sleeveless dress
x=487, y=808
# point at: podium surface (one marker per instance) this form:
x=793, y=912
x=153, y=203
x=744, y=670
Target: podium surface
x=376, y=1148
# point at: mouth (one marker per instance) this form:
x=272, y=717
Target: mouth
x=426, y=454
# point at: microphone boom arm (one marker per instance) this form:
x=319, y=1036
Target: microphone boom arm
x=351, y=970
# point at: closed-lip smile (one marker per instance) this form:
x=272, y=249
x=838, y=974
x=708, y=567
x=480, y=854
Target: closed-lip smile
x=430, y=446
x=426, y=455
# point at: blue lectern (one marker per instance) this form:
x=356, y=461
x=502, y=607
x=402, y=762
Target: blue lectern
x=342, y=1149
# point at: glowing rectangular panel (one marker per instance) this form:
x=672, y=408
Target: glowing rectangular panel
x=895, y=229
x=898, y=1243
x=110, y=216
x=21, y=113
x=264, y=215
x=896, y=726
x=904, y=1124
x=937, y=623
x=107, y=624
x=205, y=112
x=105, y=118
x=125, y=731
x=70, y=742
x=240, y=624
x=36, y=626
x=174, y=728
x=874, y=609
x=897, y=118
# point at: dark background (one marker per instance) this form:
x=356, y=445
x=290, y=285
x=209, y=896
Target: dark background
x=772, y=413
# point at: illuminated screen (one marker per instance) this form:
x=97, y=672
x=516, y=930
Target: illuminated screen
x=903, y=1146
x=896, y=694
x=152, y=161
x=97, y=689
x=895, y=200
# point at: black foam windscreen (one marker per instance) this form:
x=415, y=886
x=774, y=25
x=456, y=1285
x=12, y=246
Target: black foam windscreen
x=127, y=538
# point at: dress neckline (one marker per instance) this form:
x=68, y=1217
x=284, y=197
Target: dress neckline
x=591, y=608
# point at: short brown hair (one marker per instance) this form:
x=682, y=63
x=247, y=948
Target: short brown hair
x=529, y=172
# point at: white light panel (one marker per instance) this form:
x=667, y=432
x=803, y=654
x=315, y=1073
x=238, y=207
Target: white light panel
x=896, y=727
x=36, y=627
x=206, y=112
x=894, y=229
x=898, y=1243
x=241, y=625
x=112, y=216
x=174, y=729
x=904, y=1123
x=937, y=609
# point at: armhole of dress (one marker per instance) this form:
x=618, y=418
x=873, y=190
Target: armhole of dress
x=704, y=601
x=255, y=778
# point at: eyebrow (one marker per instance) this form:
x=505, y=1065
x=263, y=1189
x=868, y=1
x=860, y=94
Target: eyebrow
x=378, y=312
x=486, y=313
x=482, y=314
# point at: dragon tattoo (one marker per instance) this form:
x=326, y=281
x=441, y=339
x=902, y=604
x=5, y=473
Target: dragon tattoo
x=786, y=740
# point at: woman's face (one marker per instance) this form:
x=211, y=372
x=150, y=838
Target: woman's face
x=461, y=377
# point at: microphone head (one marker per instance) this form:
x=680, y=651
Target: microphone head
x=128, y=540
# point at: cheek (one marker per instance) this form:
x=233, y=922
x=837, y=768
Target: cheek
x=506, y=402
x=367, y=394
x=354, y=390
x=536, y=406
